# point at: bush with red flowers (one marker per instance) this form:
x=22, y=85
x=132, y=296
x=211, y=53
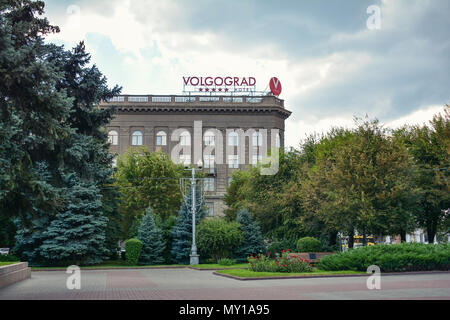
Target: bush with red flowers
x=280, y=263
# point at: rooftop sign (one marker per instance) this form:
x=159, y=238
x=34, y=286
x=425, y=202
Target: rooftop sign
x=219, y=84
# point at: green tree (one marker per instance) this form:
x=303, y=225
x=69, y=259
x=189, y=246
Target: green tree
x=182, y=231
x=218, y=238
x=152, y=240
x=147, y=179
x=430, y=147
x=362, y=180
x=253, y=242
x=49, y=116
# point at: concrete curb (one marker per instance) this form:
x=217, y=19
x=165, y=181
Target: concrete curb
x=14, y=273
x=327, y=276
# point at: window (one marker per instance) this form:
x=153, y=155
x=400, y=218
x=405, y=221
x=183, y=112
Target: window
x=210, y=207
x=208, y=184
x=136, y=139
x=210, y=138
x=233, y=162
x=277, y=140
x=230, y=179
x=185, y=138
x=257, y=139
x=185, y=159
x=113, y=137
x=161, y=138
x=208, y=160
x=233, y=139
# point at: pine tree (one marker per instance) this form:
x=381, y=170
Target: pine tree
x=77, y=234
x=55, y=166
x=182, y=231
x=152, y=243
x=253, y=240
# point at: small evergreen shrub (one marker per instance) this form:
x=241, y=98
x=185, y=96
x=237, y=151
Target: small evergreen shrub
x=226, y=262
x=391, y=258
x=283, y=263
x=133, y=249
x=308, y=244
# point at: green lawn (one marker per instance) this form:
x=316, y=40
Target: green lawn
x=218, y=266
x=7, y=263
x=245, y=273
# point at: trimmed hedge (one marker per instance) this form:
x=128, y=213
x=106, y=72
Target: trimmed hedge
x=8, y=258
x=391, y=258
x=308, y=244
x=133, y=248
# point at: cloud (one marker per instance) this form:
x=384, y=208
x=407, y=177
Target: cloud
x=330, y=65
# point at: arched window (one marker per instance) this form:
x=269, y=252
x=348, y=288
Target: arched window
x=136, y=138
x=210, y=138
x=257, y=139
x=185, y=138
x=113, y=137
x=233, y=139
x=161, y=138
x=277, y=140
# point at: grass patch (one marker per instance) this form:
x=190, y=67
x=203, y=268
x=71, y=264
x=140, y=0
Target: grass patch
x=7, y=263
x=245, y=273
x=219, y=266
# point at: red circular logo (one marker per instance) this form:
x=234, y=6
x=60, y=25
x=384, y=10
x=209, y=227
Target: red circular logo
x=275, y=86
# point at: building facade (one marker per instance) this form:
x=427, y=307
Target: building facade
x=226, y=133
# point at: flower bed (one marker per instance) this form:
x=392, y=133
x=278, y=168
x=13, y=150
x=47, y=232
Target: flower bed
x=279, y=263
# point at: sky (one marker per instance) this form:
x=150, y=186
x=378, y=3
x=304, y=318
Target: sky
x=336, y=60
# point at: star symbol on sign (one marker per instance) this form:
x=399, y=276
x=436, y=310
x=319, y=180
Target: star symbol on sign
x=220, y=89
x=206, y=89
x=200, y=89
x=226, y=89
x=213, y=89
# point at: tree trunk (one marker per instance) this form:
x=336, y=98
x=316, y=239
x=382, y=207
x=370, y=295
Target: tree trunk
x=402, y=236
x=351, y=240
x=431, y=232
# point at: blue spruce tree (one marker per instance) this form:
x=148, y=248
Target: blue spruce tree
x=253, y=240
x=182, y=231
x=152, y=240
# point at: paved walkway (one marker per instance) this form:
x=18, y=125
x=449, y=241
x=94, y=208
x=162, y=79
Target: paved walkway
x=177, y=284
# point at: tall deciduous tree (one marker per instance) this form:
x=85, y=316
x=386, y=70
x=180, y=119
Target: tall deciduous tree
x=362, y=181
x=430, y=147
x=148, y=179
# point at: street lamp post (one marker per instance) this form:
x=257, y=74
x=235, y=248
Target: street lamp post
x=194, y=256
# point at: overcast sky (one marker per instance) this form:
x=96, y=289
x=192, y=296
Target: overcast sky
x=331, y=65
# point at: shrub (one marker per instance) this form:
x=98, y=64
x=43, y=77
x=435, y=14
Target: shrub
x=217, y=237
x=226, y=262
x=133, y=249
x=283, y=263
x=280, y=245
x=308, y=244
x=8, y=258
x=391, y=258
